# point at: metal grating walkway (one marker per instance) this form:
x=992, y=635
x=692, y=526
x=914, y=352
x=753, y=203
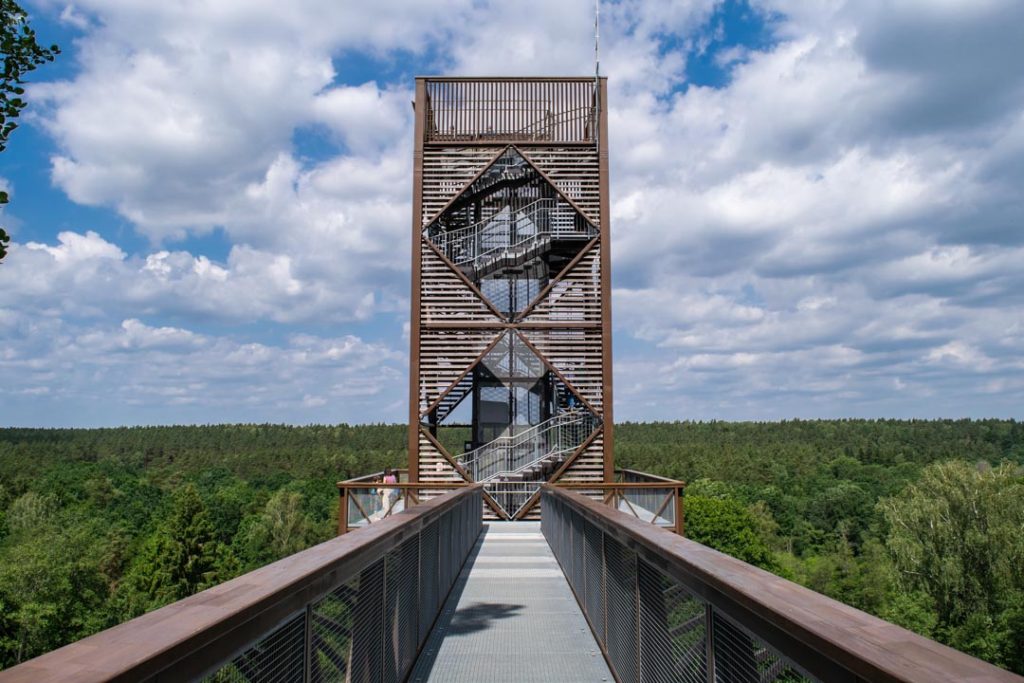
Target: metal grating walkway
x=511, y=617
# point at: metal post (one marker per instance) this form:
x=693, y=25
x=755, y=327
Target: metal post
x=709, y=642
x=604, y=589
x=307, y=655
x=636, y=622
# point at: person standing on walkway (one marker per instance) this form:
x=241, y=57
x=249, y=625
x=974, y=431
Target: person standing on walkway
x=387, y=495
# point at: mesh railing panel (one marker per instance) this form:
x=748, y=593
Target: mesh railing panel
x=652, y=628
x=620, y=578
x=371, y=625
x=277, y=658
x=430, y=596
x=593, y=556
x=742, y=656
x=672, y=623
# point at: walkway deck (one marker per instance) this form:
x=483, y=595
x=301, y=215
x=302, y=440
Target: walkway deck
x=511, y=617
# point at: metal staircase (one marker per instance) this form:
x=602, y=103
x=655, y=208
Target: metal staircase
x=512, y=468
x=510, y=237
x=530, y=454
x=454, y=397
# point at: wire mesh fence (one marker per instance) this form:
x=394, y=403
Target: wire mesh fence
x=371, y=625
x=651, y=627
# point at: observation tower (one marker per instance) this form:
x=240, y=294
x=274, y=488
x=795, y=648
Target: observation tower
x=510, y=382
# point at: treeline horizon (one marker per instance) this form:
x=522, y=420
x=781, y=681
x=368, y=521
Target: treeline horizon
x=384, y=423
x=916, y=521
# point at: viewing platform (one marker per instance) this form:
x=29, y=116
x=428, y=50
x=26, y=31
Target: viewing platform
x=511, y=617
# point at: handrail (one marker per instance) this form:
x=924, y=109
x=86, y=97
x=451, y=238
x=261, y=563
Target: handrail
x=821, y=636
x=630, y=475
x=503, y=464
x=192, y=637
x=402, y=495
x=401, y=473
x=493, y=235
x=656, y=502
x=487, y=110
x=498, y=216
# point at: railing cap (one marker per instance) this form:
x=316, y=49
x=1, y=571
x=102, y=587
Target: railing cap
x=229, y=616
x=868, y=647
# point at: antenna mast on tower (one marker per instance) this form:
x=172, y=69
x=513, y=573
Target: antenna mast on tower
x=597, y=71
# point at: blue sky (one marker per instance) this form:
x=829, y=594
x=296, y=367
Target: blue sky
x=816, y=206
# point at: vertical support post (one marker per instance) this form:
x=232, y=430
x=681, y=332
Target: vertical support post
x=417, y=238
x=307, y=655
x=680, y=512
x=342, y=510
x=608, y=420
x=637, y=623
x=709, y=642
x=604, y=590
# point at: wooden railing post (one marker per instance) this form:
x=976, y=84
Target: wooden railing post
x=680, y=512
x=342, y=510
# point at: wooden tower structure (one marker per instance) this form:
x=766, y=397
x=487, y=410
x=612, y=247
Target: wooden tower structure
x=510, y=352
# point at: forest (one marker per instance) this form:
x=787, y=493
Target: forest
x=919, y=522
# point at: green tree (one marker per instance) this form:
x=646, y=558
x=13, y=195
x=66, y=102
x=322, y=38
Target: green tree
x=280, y=530
x=51, y=592
x=727, y=525
x=30, y=513
x=21, y=54
x=183, y=556
x=955, y=537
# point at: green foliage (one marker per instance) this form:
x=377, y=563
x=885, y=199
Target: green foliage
x=30, y=514
x=21, y=54
x=99, y=525
x=52, y=591
x=726, y=525
x=183, y=556
x=955, y=536
x=282, y=528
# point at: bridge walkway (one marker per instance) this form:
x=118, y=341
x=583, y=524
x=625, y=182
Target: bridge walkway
x=511, y=616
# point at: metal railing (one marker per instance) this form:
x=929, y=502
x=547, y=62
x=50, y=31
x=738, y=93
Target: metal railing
x=489, y=110
x=658, y=502
x=511, y=230
x=365, y=501
x=508, y=455
x=512, y=496
x=650, y=498
x=356, y=608
x=664, y=608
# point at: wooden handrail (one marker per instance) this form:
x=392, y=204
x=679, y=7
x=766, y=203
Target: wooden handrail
x=202, y=631
x=831, y=640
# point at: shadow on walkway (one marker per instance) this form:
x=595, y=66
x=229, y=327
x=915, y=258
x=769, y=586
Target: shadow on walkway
x=454, y=620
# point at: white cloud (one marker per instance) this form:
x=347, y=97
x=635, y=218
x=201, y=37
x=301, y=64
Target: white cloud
x=836, y=230
x=84, y=276
x=142, y=372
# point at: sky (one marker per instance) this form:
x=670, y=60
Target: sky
x=816, y=205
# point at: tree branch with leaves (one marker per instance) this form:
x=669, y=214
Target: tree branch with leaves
x=21, y=54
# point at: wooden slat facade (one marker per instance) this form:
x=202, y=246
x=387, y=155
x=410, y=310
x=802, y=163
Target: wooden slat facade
x=463, y=125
